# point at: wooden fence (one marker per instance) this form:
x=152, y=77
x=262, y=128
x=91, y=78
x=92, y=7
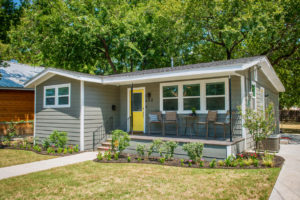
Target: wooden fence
x=22, y=128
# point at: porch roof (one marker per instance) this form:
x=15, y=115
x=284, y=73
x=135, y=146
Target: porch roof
x=211, y=69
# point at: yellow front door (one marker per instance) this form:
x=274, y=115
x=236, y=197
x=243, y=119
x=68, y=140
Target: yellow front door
x=138, y=109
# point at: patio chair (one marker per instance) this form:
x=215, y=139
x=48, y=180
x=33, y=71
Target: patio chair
x=211, y=117
x=225, y=123
x=155, y=118
x=170, y=118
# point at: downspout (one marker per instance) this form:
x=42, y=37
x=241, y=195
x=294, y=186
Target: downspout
x=230, y=110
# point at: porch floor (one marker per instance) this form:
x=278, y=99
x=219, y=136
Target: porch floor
x=185, y=139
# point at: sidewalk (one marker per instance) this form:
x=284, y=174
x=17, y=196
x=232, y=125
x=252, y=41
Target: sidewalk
x=17, y=170
x=287, y=186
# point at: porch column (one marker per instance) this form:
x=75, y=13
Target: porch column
x=230, y=110
x=131, y=113
x=81, y=115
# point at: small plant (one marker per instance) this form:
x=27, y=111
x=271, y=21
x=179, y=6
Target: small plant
x=59, y=150
x=162, y=160
x=169, y=148
x=201, y=162
x=182, y=162
x=268, y=159
x=37, y=148
x=107, y=155
x=120, y=141
x=221, y=163
x=194, y=150
x=241, y=163
x=212, y=164
x=58, y=138
x=28, y=146
x=255, y=162
x=76, y=148
x=50, y=150
x=229, y=160
x=99, y=156
x=247, y=162
x=140, y=149
x=239, y=156
x=70, y=149
x=128, y=159
x=155, y=147
x=116, y=156
x=46, y=143
x=190, y=162
x=65, y=150
x=139, y=159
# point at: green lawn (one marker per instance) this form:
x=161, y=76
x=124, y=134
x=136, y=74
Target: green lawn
x=90, y=180
x=10, y=157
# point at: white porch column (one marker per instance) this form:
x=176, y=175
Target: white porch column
x=243, y=107
x=81, y=115
x=34, y=119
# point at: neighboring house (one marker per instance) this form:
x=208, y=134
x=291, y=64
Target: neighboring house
x=16, y=102
x=83, y=104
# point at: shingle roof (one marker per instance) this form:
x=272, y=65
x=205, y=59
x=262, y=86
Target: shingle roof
x=192, y=66
x=15, y=74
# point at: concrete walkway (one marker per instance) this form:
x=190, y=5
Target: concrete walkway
x=17, y=170
x=287, y=186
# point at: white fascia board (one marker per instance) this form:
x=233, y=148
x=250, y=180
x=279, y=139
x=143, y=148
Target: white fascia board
x=51, y=73
x=175, y=74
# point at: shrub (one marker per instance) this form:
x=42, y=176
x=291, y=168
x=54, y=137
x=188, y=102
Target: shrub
x=107, y=155
x=194, y=150
x=100, y=156
x=37, y=148
x=65, y=150
x=268, y=159
x=162, y=160
x=253, y=156
x=169, y=148
x=155, y=147
x=128, y=159
x=28, y=146
x=70, y=149
x=11, y=131
x=182, y=162
x=139, y=159
x=190, y=162
x=59, y=139
x=201, y=162
x=229, y=160
x=140, y=150
x=116, y=156
x=241, y=163
x=46, y=143
x=59, y=150
x=120, y=140
x=212, y=164
x=255, y=162
x=221, y=163
x=240, y=156
x=50, y=150
x=76, y=148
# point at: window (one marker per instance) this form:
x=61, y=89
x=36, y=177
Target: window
x=170, y=98
x=215, y=96
x=57, y=96
x=191, y=97
x=253, y=95
x=203, y=95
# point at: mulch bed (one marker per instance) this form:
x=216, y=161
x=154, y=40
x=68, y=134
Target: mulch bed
x=278, y=162
x=42, y=152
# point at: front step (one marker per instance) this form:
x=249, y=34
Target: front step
x=106, y=144
x=103, y=148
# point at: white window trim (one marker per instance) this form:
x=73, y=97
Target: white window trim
x=255, y=73
x=202, y=94
x=190, y=97
x=252, y=95
x=56, y=96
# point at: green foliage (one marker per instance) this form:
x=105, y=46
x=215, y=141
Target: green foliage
x=169, y=148
x=11, y=131
x=60, y=150
x=128, y=159
x=190, y=162
x=37, y=148
x=230, y=160
x=139, y=159
x=107, y=155
x=155, y=147
x=255, y=162
x=259, y=123
x=212, y=164
x=268, y=159
x=141, y=150
x=50, y=150
x=76, y=148
x=182, y=162
x=70, y=149
x=65, y=151
x=59, y=139
x=194, y=150
x=99, y=156
x=120, y=140
x=116, y=155
x=162, y=160
x=221, y=163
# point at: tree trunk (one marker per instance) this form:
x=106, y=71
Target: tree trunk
x=108, y=58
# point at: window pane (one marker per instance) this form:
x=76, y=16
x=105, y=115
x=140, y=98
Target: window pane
x=215, y=103
x=170, y=91
x=215, y=89
x=50, y=92
x=137, y=102
x=253, y=90
x=189, y=103
x=63, y=91
x=63, y=100
x=50, y=101
x=170, y=104
x=191, y=90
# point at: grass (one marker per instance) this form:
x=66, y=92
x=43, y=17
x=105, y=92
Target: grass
x=90, y=180
x=10, y=157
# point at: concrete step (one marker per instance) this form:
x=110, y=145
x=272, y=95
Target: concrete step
x=107, y=144
x=103, y=148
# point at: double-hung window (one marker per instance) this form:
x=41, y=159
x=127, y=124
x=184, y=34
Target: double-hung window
x=215, y=96
x=170, y=98
x=57, y=96
x=191, y=97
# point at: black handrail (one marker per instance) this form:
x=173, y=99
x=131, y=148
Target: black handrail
x=100, y=134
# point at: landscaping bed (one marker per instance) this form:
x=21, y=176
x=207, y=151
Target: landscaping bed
x=277, y=162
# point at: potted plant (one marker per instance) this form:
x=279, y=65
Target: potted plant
x=193, y=111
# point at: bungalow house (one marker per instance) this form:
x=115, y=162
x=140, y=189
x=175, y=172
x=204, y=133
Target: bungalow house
x=16, y=102
x=88, y=106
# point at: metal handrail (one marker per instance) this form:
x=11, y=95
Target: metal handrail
x=102, y=131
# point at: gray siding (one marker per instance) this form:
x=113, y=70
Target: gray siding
x=98, y=109
x=61, y=119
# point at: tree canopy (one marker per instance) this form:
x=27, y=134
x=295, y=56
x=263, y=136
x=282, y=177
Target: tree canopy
x=115, y=36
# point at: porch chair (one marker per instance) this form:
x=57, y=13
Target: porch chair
x=211, y=117
x=225, y=123
x=170, y=118
x=155, y=118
